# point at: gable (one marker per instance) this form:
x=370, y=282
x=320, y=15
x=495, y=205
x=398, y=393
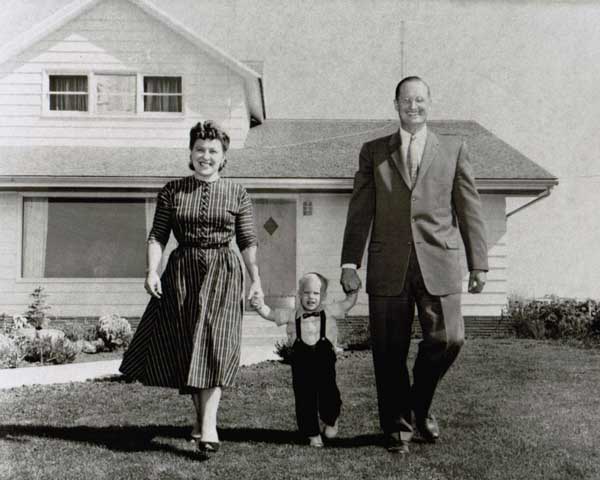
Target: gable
x=95, y=37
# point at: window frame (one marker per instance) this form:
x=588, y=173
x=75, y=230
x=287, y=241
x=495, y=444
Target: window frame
x=141, y=95
x=92, y=111
x=46, y=94
x=74, y=195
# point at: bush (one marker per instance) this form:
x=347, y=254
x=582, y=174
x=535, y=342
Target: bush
x=554, y=318
x=283, y=348
x=114, y=331
x=43, y=349
x=356, y=338
x=10, y=352
x=73, y=331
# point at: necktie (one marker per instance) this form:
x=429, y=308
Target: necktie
x=412, y=160
x=311, y=314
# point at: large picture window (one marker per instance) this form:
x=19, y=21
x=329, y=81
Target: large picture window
x=162, y=94
x=85, y=237
x=68, y=93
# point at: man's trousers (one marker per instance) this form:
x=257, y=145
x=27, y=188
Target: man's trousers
x=391, y=320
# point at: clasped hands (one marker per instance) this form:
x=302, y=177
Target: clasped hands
x=351, y=282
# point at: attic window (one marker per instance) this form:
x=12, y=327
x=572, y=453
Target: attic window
x=68, y=93
x=162, y=94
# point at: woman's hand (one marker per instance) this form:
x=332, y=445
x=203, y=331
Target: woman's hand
x=153, y=285
x=255, y=291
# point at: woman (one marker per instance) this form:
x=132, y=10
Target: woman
x=189, y=336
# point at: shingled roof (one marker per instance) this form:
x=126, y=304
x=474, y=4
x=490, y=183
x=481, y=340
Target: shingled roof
x=277, y=149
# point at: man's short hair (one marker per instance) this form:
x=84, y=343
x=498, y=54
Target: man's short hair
x=412, y=78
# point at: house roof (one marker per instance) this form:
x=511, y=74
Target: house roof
x=278, y=152
x=76, y=8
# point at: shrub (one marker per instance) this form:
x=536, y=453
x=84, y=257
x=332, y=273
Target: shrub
x=114, y=331
x=73, y=331
x=10, y=352
x=37, y=349
x=554, y=318
x=283, y=348
x=45, y=350
x=356, y=338
x=36, y=312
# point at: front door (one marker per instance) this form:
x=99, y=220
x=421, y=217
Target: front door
x=275, y=221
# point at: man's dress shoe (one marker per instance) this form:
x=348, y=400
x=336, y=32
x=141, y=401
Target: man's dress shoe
x=395, y=444
x=428, y=428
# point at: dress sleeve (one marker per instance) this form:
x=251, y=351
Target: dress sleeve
x=245, y=233
x=161, y=226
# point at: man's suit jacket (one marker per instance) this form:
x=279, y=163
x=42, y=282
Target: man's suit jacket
x=442, y=207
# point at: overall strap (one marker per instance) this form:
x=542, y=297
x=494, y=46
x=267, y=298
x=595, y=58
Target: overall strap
x=298, y=329
x=323, y=323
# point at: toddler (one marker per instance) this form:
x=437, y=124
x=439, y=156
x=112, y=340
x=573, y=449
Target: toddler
x=312, y=329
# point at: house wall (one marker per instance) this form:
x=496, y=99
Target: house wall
x=320, y=244
x=113, y=37
x=318, y=247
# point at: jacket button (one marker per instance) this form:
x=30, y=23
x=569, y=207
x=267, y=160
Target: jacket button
x=414, y=199
x=409, y=244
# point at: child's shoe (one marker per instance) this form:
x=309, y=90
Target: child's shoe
x=316, y=441
x=331, y=431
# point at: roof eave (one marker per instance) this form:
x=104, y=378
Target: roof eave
x=516, y=187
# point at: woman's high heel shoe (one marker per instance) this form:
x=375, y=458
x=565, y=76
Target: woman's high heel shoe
x=208, y=447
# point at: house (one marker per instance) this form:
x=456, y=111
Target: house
x=96, y=104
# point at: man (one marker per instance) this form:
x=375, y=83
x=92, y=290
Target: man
x=414, y=193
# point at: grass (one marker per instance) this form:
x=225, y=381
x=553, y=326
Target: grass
x=508, y=409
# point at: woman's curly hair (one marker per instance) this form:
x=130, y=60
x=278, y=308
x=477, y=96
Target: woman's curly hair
x=209, y=130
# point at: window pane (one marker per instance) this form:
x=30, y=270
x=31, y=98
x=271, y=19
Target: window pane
x=115, y=93
x=162, y=94
x=74, y=98
x=68, y=83
x=76, y=103
x=88, y=238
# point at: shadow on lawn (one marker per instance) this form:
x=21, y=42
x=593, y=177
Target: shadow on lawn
x=123, y=439
x=266, y=435
x=145, y=438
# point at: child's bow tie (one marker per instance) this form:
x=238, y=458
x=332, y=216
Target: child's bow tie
x=311, y=314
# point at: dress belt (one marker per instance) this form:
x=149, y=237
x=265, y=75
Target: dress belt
x=206, y=246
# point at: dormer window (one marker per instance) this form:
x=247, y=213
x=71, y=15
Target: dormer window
x=112, y=93
x=68, y=93
x=162, y=94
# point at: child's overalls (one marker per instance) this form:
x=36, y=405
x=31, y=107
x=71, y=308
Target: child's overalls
x=313, y=378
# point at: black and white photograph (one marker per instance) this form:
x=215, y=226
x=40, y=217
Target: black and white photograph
x=299, y=239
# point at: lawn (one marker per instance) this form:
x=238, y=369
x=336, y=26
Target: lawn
x=509, y=409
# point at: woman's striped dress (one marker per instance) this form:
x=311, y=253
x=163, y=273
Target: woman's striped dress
x=190, y=337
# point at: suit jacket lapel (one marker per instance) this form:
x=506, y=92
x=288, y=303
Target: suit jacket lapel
x=394, y=150
x=429, y=154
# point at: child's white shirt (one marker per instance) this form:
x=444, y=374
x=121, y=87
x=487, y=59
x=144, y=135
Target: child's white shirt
x=311, y=326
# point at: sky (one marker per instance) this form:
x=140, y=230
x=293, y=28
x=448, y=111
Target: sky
x=529, y=71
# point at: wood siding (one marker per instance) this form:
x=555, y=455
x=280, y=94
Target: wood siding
x=320, y=241
x=318, y=246
x=117, y=37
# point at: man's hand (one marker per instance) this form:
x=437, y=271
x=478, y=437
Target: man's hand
x=477, y=281
x=350, y=280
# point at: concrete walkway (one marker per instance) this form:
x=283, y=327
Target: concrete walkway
x=258, y=342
